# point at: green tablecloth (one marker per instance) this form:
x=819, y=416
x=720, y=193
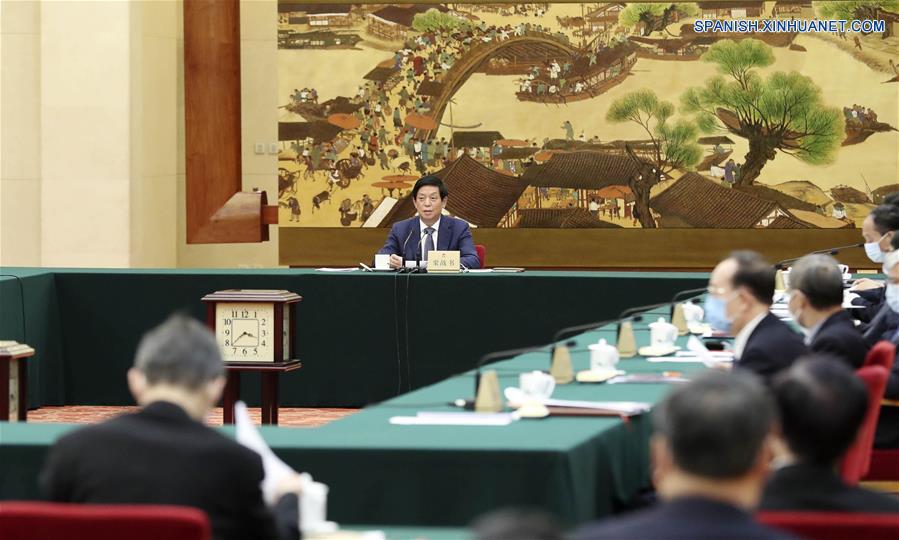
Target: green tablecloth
x=576, y=468
x=351, y=328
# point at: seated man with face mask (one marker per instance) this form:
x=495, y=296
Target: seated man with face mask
x=816, y=303
x=877, y=231
x=887, y=435
x=741, y=289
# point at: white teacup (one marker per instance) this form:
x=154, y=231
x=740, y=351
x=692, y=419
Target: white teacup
x=603, y=356
x=844, y=268
x=662, y=333
x=382, y=261
x=537, y=384
x=693, y=313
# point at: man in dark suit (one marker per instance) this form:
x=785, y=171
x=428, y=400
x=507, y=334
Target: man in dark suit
x=878, y=231
x=741, y=289
x=412, y=239
x=164, y=454
x=887, y=434
x=822, y=403
x=710, y=456
x=816, y=303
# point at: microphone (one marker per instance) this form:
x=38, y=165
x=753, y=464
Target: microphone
x=406, y=241
x=630, y=311
x=571, y=330
x=781, y=265
x=500, y=355
x=689, y=292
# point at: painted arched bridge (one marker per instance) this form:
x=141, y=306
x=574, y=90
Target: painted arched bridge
x=471, y=61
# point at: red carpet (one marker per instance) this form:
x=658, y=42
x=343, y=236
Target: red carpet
x=300, y=417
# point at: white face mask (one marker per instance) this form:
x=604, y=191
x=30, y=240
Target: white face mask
x=795, y=314
x=892, y=297
x=872, y=250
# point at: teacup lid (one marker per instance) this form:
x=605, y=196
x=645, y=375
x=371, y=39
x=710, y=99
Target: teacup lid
x=602, y=344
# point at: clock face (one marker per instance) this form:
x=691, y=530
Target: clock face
x=245, y=331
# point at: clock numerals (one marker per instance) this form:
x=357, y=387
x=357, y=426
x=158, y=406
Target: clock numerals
x=244, y=332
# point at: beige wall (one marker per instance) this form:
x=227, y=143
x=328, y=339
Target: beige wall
x=93, y=137
x=20, y=135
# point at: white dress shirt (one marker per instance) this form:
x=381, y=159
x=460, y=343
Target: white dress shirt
x=743, y=335
x=421, y=239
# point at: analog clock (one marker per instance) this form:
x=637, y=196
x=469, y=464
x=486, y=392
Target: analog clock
x=246, y=331
x=253, y=325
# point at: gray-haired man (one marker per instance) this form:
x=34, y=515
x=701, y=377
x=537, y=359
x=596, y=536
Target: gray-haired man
x=164, y=454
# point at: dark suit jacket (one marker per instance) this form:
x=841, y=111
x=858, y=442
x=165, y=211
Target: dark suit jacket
x=887, y=434
x=689, y=518
x=838, y=336
x=771, y=347
x=805, y=487
x=453, y=234
x=871, y=300
x=883, y=326
x=162, y=456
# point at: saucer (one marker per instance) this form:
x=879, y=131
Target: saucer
x=533, y=410
x=699, y=327
x=324, y=527
x=597, y=376
x=653, y=350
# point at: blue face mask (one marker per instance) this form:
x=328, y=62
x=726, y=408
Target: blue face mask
x=892, y=297
x=716, y=313
x=872, y=250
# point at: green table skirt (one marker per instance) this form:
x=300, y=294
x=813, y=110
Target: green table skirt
x=576, y=468
x=363, y=338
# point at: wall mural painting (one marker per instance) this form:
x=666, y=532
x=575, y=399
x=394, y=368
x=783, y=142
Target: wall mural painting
x=586, y=115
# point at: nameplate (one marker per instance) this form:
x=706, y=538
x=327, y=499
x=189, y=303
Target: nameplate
x=443, y=262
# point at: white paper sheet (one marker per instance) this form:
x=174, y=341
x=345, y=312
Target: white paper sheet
x=455, y=419
x=247, y=435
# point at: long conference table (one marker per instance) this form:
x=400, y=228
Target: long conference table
x=578, y=468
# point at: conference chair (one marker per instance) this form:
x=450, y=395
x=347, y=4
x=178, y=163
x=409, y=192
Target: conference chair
x=857, y=459
x=43, y=520
x=833, y=526
x=884, y=464
x=883, y=354
x=482, y=254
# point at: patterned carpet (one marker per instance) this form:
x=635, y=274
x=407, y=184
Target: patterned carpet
x=300, y=417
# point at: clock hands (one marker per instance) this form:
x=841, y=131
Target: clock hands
x=248, y=334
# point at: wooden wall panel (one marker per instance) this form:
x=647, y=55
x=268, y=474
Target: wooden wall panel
x=586, y=248
x=211, y=114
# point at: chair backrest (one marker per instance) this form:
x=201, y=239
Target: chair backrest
x=482, y=254
x=833, y=526
x=43, y=520
x=884, y=466
x=858, y=458
x=883, y=353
